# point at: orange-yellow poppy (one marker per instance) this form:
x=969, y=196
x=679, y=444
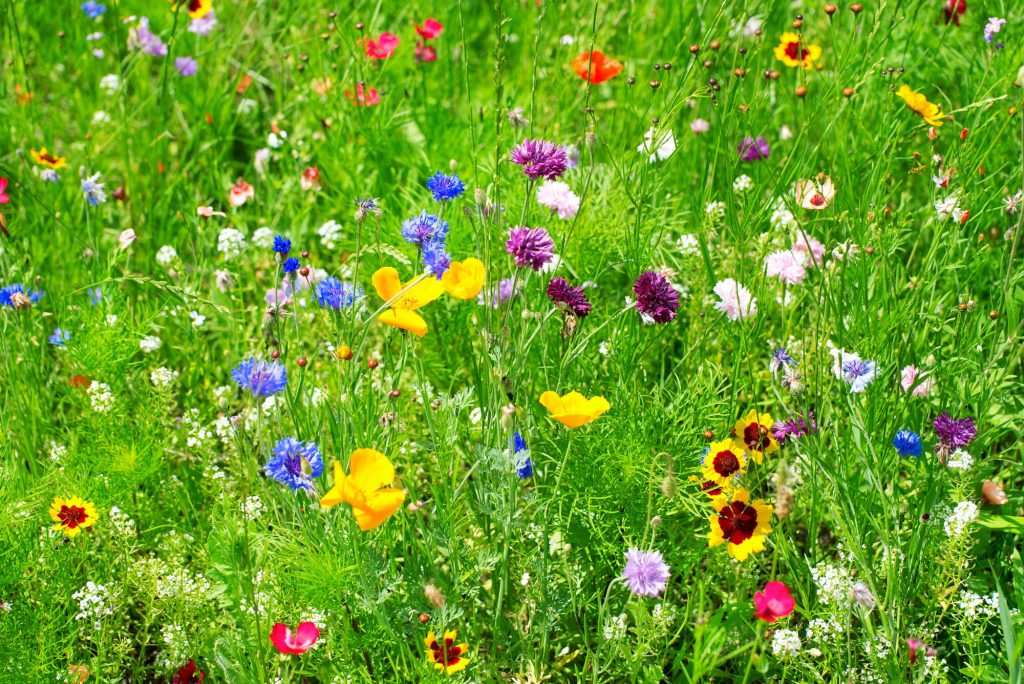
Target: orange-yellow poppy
x=417, y=294
x=595, y=67
x=363, y=488
x=464, y=279
x=574, y=409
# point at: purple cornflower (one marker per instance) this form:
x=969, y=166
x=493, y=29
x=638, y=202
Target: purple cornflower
x=444, y=187
x=794, y=428
x=368, y=205
x=186, y=66
x=424, y=229
x=994, y=26
x=752, y=149
x=147, y=41
x=295, y=463
x=954, y=432
x=656, y=299
x=260, y=378
x=540, y=159
x=858, y=373
x=646, y=572
x=531, y=247
x=502, y=292
x=568, y=297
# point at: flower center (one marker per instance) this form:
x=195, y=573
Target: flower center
x=72, y=516
x=818, y=200
x=794, y=51
x=738, y=522
x=448, y=654
x=753, y=437
x=726, y=463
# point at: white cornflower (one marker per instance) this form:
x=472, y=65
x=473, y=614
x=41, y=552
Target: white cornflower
x=657, y=145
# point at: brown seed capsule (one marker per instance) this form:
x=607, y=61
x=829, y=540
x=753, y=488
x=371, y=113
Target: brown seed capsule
x=798, y=23
x=655, y=85
x=667, y=66
x=739, y=72
x=372, y=363
x=305, y=254
x=708, y=64
x=800, y=91
x=359, y=26
x=709, y=435
x=657, y=67
x=20, y=302
x=630, y=81
x=993, y=314
x=714, y=45
x=394, y=394
x=963, y=306
x=694, y=49
x=744, y=108
x=275, y=354
x=856, y=8
x=869, y=250
x=301, y=362
x=304, y=271
x=424, y=618
x=830, y=9
x=993, y=493
x=848, y=92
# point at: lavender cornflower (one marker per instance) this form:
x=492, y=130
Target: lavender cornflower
x=186, y=66
x=59, y=337
x=17, y=297
x=907, y=443
x=436, y=259
x=93, y=190
x=334, y=294
x=295, y=463
x=282, y=245
x=858, y=373
x=794, y=428
x=424, y=229
x=780, y=359
x=540, y=159
x=753, y=149
x=502, y=292
x=444, y=187
x=656, y=299
x=146, y=40
x=568, y=297
x=260, y=378
x=646, y=572
x=954, y=432
x=994, y=26
x=521, y=457
x=531, y=247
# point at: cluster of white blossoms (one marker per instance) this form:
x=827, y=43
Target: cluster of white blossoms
x=785, y=642
x=330, y=234
x=960, y=460
x=197, y=432
x=253, y=508
x=94, y=604
x=150, y=344
x=123, y=525
x=100, y=397
x=833, y=582
x=166, y=255
x=181, y=584
x=615, y=628
x=163, y=377
x=230, y=243
x=963, y=515
x=976, y=606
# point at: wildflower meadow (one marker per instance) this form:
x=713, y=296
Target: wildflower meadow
x=523, y=341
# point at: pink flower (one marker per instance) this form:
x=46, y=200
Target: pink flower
x=698, y=126
x=383, y=47
x=787, y=266
x=208, y=212
x=425, y=53
x=559, y=198
x=915, y=645
x=736, y=301
x=126, y=237
x=241, y=192
x=364, y=97
x=4, y=199
x=310, y=179
x=808, y=246
x=431, y=29
x=294, y=644
x=774, y=602
x=909, y=376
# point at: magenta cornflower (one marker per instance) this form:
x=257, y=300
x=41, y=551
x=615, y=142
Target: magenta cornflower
x=794, y=428
x=656, y=299
x=540, y=159
x=646, y=572
x=954, y=433
x=568, y=297
x=753, y=149
x=531, y=247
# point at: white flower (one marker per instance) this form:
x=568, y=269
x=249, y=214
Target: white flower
x=476, y=415
x=687, y=244
x=165, y=255
x=252, y=507
x=150, y=344
x=110, y=83
x=960, y=460
x=567, y=40
x=715, y=211
x=785, y=133
x=100, y=397
x=163, y=377
x=834, y=584
x=742, y=183
x=263, y=237
x=657, y=145
x=198, y=319
x=230, y=243
x=963, y=515
x=615, y=628
x=950, y=206
x=276, y=140
x=785, y=642
x=100, y=117
x=329, y=233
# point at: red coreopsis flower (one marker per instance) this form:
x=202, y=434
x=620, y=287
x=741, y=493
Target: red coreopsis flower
x=294, y=643
x=363, y=96
x=383, y=47
x=431, y=29
x=953, y=9
x=595, y=67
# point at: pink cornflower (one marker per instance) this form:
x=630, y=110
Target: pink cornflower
x=699, y=126
x=559, y=198
x=785, y=265
x=735, y=300
x=808, y=246
x=909, y=376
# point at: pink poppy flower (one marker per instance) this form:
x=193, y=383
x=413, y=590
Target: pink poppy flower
x=774, y=602
x=425, y=53
x=914, y=645
x=431, y=29
x=787, y=266
x=364, y=97
x=815, y=193
x=294, y=644
x=383, y=47
x=241, y=192
x=909, y=376
x=4, y=199
x=311, y=178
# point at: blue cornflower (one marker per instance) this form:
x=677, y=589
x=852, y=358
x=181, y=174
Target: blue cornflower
x=260, y=378
x=295, y=463
x=436, y=258
x=907, y=443
x=93, y=190
x=282, y=245
x=521, y=456
x=334, y=294
x=424, y=229
x=59, y=337
x=7, y=295
x=291, y=265
x=858, y=373
x=445, y=187
x=780, y=358
x=93, y=9
x=95, y=296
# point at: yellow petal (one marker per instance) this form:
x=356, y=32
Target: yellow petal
x=406, y=320
x=387, y=283
x=334, y=495
x=552, y=402
x=464, y=279
x=369, y=470
x=421, y=294
x=380, y=506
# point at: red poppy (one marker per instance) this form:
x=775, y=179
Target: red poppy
x=383, y=47
x=188, y=675
x=4, y=199
x=595, y=67
x=774, y=602
x=295, y=643
x=425, y=53
x=363, y=97
x=953, y=10
x=431, y=29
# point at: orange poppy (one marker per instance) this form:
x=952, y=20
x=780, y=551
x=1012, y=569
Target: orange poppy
x=595, y=67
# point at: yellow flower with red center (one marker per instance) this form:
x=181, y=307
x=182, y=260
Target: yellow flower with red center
x=755, y=434
x=723, y=462
x=50, y=161
x=404, y=300
x=464, y=279
x=740, y=524
x=363, y=488
x=72, y=515
x=197, y=9
x=574, y=409
x=446, y=654
x=710, y=488
x=793, y=53
x=919, y=103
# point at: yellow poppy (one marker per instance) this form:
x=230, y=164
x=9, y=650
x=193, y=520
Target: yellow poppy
x=464, y=279
x=197, y=9
x=741, y=524
x=446, y=654
x=723, y=462
x=920, y=104
x=574, y=409
x=402, y=313
x=50, y=161
x=363, y=488
x=754, y=431
x=791, y=52
x=72, y=515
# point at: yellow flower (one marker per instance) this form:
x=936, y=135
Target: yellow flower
x=446, y=655
x=723, y=462
x=197, y=9
x=363, y=488
x=464, y=279
x=418, y=293
x=44, y=158
x=72, y=515
x=792, y=53
x=573, y=410
x=754, y=432
x=920, y=104
x=741, y=524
